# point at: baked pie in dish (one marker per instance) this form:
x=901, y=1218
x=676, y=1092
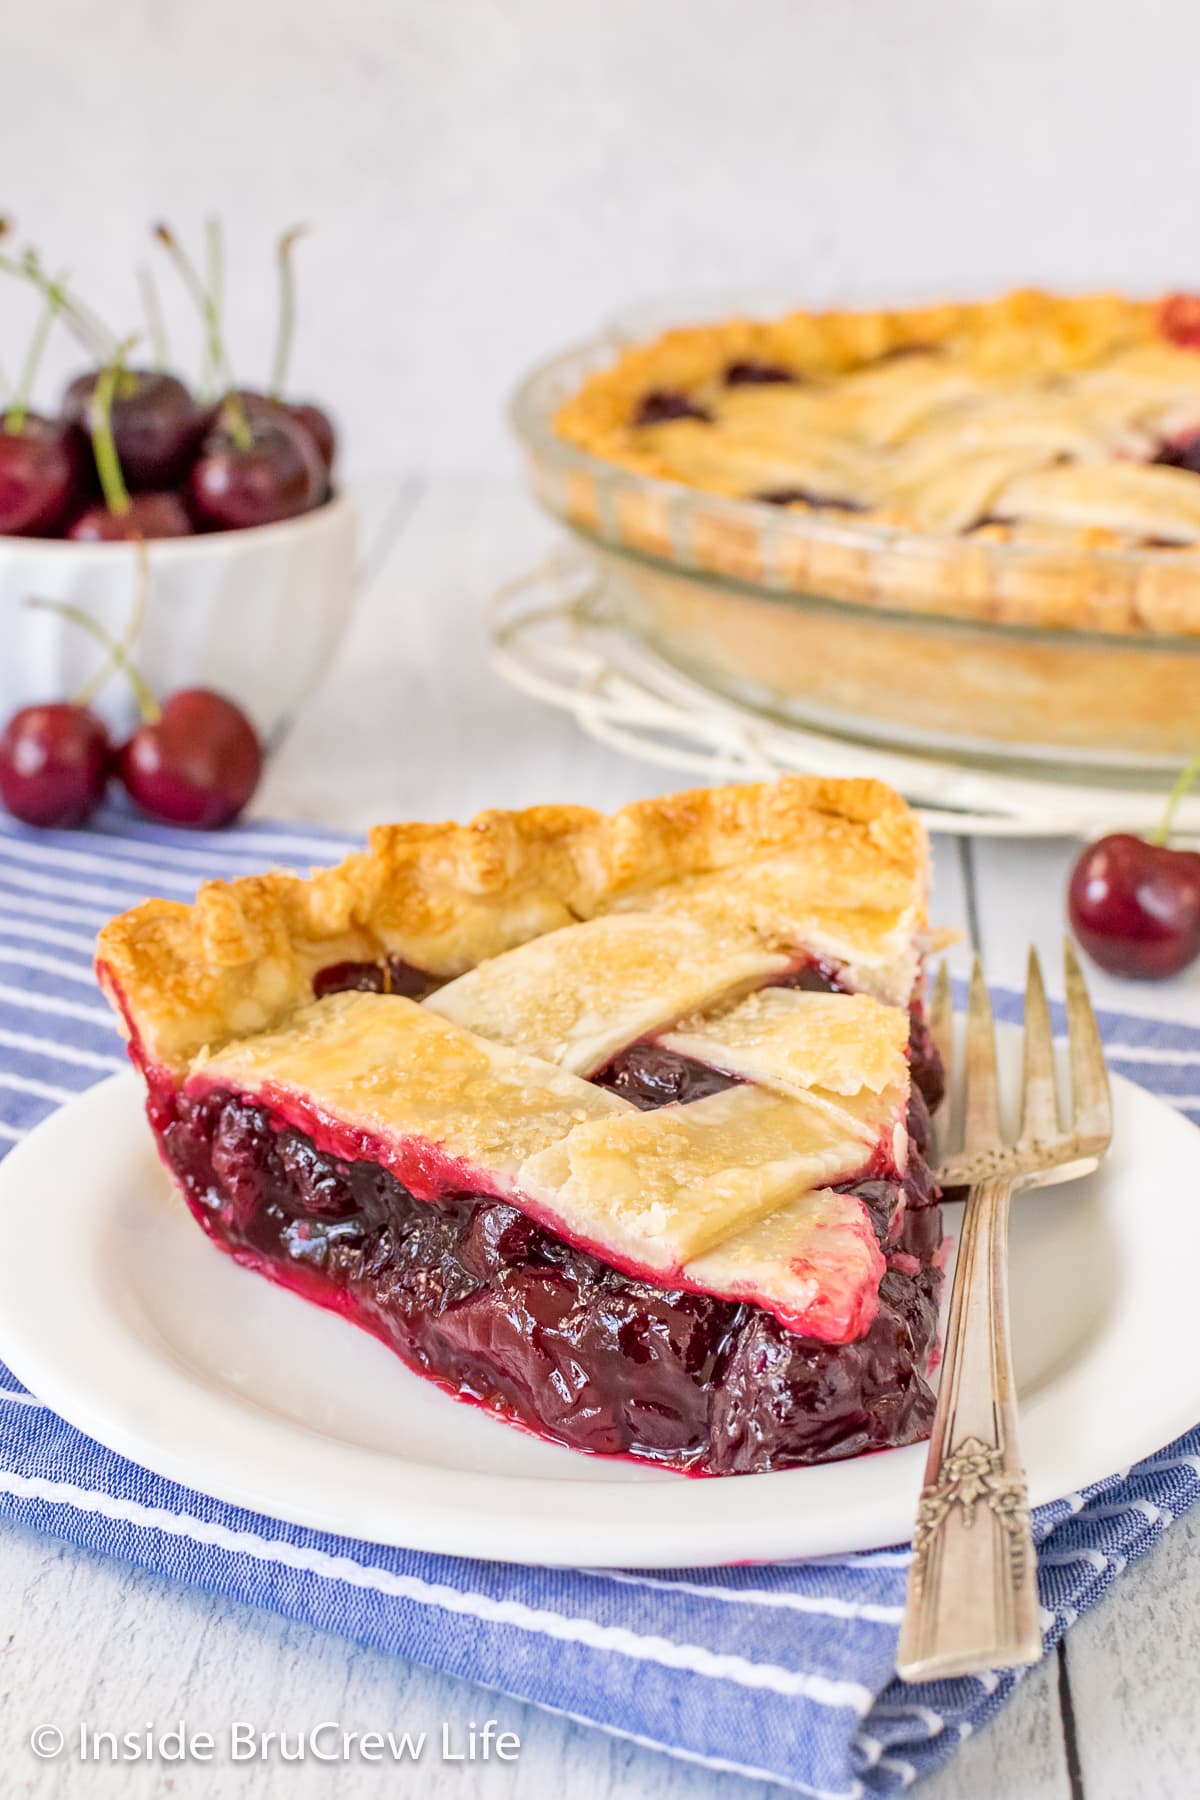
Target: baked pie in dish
x=613, y=1125
x=1069, y=424
x=967, y=529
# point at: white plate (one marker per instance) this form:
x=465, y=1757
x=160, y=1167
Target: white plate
x=140, y=1333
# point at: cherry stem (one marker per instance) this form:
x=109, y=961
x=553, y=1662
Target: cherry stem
x=155, y=323
x=14, y=418
x=117, y=655
x=104, y=444
x=90, y=330
x=214, y=271
x=200, y=294
x=206, y=303
x=286, y=326
x=120, y=654
x=1187, y=776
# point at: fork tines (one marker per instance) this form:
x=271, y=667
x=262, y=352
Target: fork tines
x=1050, y=1134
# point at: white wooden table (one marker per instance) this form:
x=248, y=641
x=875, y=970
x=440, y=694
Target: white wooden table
x=411, y=723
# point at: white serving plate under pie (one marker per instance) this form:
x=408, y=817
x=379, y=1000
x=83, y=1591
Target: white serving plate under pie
x=142, y=1334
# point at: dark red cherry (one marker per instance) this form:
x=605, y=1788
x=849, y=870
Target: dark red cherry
x=276, y=474
x=197, y=764
x=39, y=475
x=317, y=421
x=751, y=372
x=147, y=516
x=1179, y=320
x=663, y=405
x=54, y=764
x=1135, y=906
x=806, y=497
x=306, y=413
x=156, y=424
x=1181, y=452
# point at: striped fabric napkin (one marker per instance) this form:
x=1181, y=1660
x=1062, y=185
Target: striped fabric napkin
x=782, y=1673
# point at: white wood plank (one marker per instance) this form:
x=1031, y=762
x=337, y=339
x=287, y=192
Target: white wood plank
x=87, y=1639
x=1133, y=1663
x=1019, y=1755
x=376, y=504
x=383, y=508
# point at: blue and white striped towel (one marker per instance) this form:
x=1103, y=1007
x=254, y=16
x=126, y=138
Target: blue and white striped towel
x=783, y=1673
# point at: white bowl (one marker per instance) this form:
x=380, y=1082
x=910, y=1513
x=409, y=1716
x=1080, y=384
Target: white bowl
x=255, y=614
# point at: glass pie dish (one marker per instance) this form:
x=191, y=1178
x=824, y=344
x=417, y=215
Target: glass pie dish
x=852, y=627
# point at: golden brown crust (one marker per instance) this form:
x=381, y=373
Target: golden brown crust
x=445, y=897
x=1023, y=330
x=1091, y=549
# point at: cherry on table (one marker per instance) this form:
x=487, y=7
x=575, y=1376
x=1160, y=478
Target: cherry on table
x=157, y=425
x=40, y=466
x=55, y=762
x=146, y=516
x=197, y=764
x=1135, y=906
x=254, y=470
x=1135, y=902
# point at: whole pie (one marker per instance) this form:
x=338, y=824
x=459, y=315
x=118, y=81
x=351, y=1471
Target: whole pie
x=1068, y=428
x=613, y=1125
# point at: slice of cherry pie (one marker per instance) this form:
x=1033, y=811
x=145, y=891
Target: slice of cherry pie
x=614, y=1126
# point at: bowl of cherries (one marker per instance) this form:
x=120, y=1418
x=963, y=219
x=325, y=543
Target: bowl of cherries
x=228, y=493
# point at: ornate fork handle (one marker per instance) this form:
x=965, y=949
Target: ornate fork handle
x=972, y=1594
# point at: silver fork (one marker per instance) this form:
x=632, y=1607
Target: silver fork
x=972, y=1589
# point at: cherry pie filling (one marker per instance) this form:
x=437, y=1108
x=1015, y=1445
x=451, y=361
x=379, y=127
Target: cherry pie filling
x=477, y=1295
